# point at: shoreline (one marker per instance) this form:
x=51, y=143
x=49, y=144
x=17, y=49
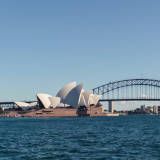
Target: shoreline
x=94, y=111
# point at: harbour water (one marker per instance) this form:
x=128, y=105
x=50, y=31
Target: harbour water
x=117, y=138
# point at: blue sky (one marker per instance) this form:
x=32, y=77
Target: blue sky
x=45, y=44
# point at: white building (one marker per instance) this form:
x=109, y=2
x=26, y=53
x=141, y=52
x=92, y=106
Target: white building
x=65, y=90
x=70, y=95
x=74, y=95
x=25, y=106
x=47, y=101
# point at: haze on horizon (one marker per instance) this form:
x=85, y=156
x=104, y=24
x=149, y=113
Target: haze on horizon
x=46, y=44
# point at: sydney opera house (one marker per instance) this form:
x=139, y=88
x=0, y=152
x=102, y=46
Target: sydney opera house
x=70, y=95
x=71, y=100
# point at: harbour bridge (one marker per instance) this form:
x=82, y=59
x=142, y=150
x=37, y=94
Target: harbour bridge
x=129, y=90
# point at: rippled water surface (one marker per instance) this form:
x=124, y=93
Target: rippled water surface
x=128, y=137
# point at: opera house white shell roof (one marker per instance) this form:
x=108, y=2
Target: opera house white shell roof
x=44, y=99
x=89, y=98
x=25, y=105
x=73, y=97
x=94, y=99
x=22, y=104
x=86, y=96
x=71, y=94
x=65, y=90
x=55, y=101
x=82, y=101
x=48, y=101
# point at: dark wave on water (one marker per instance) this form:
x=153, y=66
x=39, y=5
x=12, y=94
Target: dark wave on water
x=117, y=138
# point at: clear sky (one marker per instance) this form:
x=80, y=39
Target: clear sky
x=47, y=43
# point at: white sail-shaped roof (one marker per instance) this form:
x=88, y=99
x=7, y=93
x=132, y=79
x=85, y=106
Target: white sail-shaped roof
x=44, y=99
x=33, y=103
x=86, y=96
x=73, y=97
x=94, y=99
x=82, y=101
x=55, y=101
x=22, y=104
x=65, y=90
x=90, y=98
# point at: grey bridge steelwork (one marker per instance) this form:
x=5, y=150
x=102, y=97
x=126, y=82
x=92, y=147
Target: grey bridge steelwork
x=129, y=90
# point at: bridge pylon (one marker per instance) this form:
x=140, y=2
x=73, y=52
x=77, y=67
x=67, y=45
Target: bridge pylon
x=110, y=107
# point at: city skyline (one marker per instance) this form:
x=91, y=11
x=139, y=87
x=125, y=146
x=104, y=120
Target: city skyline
x=46, y=45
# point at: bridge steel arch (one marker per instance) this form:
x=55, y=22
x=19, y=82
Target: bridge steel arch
x=112, y=86
x=143, y=86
